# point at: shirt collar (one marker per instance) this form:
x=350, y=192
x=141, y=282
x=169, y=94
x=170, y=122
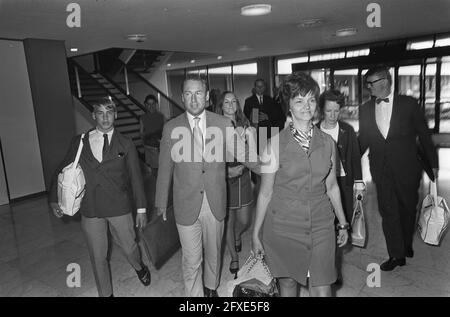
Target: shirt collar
x=110, y=133
x=190, y=117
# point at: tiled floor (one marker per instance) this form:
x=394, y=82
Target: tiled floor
x=35, y=249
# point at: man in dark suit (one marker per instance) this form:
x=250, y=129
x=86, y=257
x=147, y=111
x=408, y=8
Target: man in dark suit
x=262, y=110
x=111, y=168
x=199, y=185
x=389, y=125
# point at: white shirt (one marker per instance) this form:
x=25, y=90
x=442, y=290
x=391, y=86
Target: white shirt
x=334, y=133
x=96, y=141
x=383, y=113
x=260, y=99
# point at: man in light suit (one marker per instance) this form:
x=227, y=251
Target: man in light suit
x=199, y=186
x=389, y=125
x=114, y=185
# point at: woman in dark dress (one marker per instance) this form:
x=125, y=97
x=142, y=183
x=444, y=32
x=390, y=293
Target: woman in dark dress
x=299, y=198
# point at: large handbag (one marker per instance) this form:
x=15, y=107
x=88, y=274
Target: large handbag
x=161, y=239
x=358, y=225
x=71, y=183
x=253, y=280
x=434, y=217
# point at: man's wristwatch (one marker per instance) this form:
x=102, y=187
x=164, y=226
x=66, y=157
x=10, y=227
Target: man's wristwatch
x=345, y=226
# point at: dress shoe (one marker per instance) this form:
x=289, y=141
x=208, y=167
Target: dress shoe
x=392, y=263
x=410, y=253
x=210, y=292
x=144, y=275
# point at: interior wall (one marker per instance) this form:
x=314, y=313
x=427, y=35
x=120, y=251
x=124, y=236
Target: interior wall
x=52, y=100
x=4, y=199
x=18, y=129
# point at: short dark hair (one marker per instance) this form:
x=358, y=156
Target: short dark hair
x=379, y=69
x=150, y=97
x=194, y=77
x=331, y=95
x=299, y=83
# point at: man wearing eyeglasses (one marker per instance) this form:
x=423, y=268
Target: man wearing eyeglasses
x=389, y=126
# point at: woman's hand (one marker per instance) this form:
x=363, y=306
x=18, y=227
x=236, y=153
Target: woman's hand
x=257, y=247
x=342, y=237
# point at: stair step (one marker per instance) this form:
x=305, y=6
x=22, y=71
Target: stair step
x=121, y=125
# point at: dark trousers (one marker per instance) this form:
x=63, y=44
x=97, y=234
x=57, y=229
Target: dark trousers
x=346, y=197
x=397, y=204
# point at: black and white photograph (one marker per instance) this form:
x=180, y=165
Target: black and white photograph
x=245, y=150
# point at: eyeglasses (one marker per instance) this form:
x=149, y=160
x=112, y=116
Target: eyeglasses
x=370, y=83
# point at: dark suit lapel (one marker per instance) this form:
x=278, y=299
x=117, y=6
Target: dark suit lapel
x=394, y=116
x=111, y=152
x=373, y=118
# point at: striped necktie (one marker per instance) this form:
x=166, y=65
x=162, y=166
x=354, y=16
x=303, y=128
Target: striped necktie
x=198, y=135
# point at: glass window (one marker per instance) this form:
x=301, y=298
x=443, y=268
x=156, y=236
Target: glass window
x=326, y=56
x=220, y=78
x=430, y=94
x=284, y=66
x=409, y=80
x=444, y=125
x=346, y=81
x=244, y=77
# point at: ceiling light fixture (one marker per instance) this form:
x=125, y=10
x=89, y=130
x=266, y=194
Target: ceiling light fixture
x=74, y=49
x=346, y=32
x=244, y=48
x=309, y=23
x=256, y=9
x=168, y=65
x=219, y=57
x=192, y=61
x=137, y=37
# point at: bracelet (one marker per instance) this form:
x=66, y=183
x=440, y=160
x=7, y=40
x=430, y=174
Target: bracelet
x=345, y=226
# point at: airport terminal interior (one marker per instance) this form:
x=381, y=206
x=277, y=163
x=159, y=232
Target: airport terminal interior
x=58, y=57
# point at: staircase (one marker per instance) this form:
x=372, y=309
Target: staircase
x=94, y=86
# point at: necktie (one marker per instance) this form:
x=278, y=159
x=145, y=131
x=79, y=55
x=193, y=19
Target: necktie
x=260, y=100
x=378, y=100
x=105, y=145
x=198, y=136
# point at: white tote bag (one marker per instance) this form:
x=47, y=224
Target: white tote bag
x=358, y=225
x=434, y=217
x=71, y=184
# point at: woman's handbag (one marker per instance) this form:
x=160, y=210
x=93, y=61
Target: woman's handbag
x=434, y=217
x=254, y=280
x=358, y=225
x=71, y=184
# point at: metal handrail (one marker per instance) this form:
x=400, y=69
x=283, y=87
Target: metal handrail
x=103, y=88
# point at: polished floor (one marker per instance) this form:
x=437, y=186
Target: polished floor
x=36, y=248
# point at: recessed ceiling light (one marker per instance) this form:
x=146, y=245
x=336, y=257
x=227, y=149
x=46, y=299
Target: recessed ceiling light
x=256, y=9
x=309, y=23
x=168, y=65
x=74, y=49
x=244, y=48
x=192, y=61
x=346, y=32
x=219, y=57
x=137, y=37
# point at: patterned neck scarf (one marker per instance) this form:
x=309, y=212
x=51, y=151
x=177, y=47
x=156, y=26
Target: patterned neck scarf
x=302, y=138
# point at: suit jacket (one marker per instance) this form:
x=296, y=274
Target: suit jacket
x=269, y=107
x=399, y=150
x=348, y=153
x=191, y=179
x=114, y=186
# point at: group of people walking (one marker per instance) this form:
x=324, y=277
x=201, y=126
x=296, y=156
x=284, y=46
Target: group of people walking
x=307, y=175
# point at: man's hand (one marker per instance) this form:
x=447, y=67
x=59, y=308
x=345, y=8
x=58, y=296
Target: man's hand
x=235, y=171
x=161, y=211
x=56, y=210
x=141, y=220
x=262, y=116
